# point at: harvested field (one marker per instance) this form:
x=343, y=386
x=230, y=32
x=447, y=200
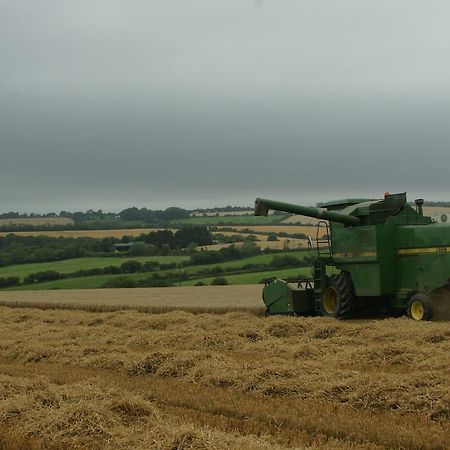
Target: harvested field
x=308, y=230
x=300, y=219
x=200, y=298
x=37, y=221
x=243, y=212
x=290, y=229
x=280, y=244
x=435, y=212
x=260, y=237
x=117, y=380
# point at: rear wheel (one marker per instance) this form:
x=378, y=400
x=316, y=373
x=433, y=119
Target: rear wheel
x=420, y=307
x=338, y=299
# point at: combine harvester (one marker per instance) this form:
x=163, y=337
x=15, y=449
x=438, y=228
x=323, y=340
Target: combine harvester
x=373, y=254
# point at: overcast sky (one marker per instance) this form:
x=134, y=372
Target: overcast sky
x=106, y=104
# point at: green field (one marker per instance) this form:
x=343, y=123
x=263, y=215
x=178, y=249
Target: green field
x=229, y=220
x=254, y=278
x=97, y=281
x=72, y=265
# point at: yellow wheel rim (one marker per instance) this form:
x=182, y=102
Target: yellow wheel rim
x=417, y=311
x=330, y=300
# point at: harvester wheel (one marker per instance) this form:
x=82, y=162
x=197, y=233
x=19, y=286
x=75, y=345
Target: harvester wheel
x=338, y=299
x=420, y=307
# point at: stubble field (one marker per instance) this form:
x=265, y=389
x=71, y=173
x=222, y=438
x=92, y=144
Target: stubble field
x=178, y=380
x=217, y=299
x=37, y=221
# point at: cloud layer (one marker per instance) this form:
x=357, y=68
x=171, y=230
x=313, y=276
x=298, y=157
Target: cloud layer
x=112, y=103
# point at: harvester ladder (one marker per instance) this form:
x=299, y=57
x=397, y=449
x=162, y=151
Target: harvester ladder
x=319, y=282
x=323, y=239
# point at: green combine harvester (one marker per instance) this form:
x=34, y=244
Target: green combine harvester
x=370, y=255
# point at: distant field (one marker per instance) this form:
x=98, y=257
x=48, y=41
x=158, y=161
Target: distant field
x=72, y=265
x=97, y=281
x=264, y=244
x=435, y=212
x=242, y=212
x=301, y=219
x=290, y=229
x=138, y=231
x=208, y=297
x=38, y=221
x=224, y=220
x=89, y=233
x=254, y=278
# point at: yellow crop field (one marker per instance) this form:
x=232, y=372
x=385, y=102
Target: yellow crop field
x=243, y=212
x=301, y=219
x=178, y=380
x=290, y=229
x=260, y=237
x=280, y=244
x=37, y=221
x=435, y=212
x=204, y=298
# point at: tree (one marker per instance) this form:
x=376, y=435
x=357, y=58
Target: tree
x=174, y=213
x=249, y=249
x=286, y=261
x=131, y=267
x=134, y=213
x=142, y=249
x=165, y=249
x=150, y=266
x=193, y=233
x=159, y=238
x=9, y=281
x=219, y=281
x=120, y=282
x=191, y=248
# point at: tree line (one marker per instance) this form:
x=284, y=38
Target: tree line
x=158, y=279
x=16, y=249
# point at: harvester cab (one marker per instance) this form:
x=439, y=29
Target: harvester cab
x=370, y=255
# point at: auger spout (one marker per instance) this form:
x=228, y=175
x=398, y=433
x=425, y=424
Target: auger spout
x=263, y=205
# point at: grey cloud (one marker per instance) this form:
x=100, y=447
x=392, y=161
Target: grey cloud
x=105, y=104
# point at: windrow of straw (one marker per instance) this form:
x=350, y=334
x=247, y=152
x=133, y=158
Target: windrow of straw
x=180, y=380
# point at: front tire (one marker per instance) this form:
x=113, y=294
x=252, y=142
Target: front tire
x=420, y=307
x=338, y=299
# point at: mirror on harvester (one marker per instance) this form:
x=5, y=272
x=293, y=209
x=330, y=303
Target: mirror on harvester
x=444, y=218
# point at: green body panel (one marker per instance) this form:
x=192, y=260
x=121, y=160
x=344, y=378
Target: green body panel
x=423, y=257
x=391, y=250
x=368, y=253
